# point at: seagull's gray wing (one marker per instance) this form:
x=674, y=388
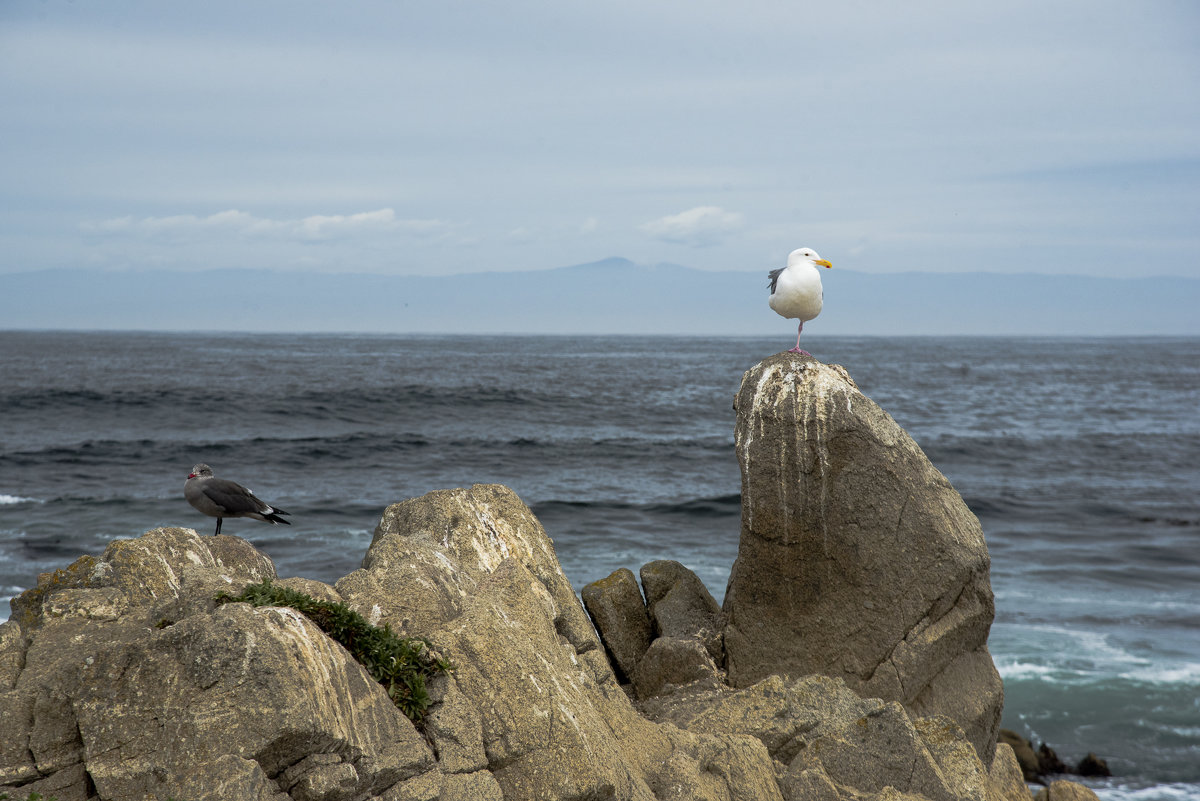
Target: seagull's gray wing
x=774, y=276
x=232, y=498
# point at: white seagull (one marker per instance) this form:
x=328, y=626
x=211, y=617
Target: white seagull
x=221, y=498
x=796, y=289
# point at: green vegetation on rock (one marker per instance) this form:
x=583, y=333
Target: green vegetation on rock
x=400, y=664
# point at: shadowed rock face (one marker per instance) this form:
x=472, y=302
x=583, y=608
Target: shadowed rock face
x=616, y=607
x=681, y=606
x=857, y=558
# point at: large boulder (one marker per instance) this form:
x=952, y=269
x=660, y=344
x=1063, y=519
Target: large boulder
x=831, y=743
x=857, y=559
x=1023, y=753
x=1007, y=783
x=429, y=555
x=534, y=698
x=1062, y=790
x=673, y=662
x=167, y=572
x=680, y=606
x=233, y=693
x=616, y=607
x=133, y=684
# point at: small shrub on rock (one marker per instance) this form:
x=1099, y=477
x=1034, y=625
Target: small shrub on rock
x=400, y=664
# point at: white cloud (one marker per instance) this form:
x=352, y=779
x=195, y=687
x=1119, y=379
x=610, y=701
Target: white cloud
x=876, y=130
x=701, y=226
x=522, y=234
x=316, y=227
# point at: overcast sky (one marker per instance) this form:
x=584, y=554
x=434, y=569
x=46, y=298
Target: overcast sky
x=435, y=138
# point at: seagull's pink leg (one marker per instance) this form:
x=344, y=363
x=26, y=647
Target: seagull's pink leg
x=797, y=348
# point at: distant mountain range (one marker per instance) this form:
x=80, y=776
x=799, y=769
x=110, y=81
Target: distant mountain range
x=613, y=296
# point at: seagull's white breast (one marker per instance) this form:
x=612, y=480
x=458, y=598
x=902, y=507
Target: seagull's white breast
x=798, y=292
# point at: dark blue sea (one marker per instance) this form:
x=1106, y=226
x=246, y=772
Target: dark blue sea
x=1081, y=457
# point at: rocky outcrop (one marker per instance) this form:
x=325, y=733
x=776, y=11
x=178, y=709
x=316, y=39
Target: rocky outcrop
x=1006, y=781
x=430, y=554
x=122, y=678
x=133, y=684
x=162, y=575
x=1066, y=791
x=830, y=742
x=1043, y=763
x=1092, y=765
x=474, y=571
x=1023, y=752
x=858, y=559
x=616, y=607
x=681, y=607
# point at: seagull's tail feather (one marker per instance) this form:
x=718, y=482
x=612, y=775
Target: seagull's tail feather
x=271, y=515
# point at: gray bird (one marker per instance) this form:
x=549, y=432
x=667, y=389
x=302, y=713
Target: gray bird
x=221, y=498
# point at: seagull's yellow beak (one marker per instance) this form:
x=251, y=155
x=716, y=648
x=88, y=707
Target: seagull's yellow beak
x=822, y=262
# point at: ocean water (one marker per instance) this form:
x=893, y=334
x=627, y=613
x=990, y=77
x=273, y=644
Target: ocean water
x=1081, y=457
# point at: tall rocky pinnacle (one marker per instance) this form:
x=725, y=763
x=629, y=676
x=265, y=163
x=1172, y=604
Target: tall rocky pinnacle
x=858, y=559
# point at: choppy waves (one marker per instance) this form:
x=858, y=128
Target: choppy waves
x=1083, y=476
x=6, y=500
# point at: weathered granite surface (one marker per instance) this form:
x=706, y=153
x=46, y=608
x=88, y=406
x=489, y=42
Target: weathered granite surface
x=237, y=702
x=1062, y=790
x=858, y=559
x=120, y=677
x=616, y=607
x=124, y=680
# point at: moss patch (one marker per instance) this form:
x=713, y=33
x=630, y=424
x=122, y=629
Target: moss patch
x=400, y=664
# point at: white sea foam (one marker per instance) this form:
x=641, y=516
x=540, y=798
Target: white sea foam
x=1186, y=673
x=1174, y=605
x=1157, y=792
x=1178, y=731
x=1090, y=649
x=1015, y=669
x=7, y=499
x=1063, y=655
